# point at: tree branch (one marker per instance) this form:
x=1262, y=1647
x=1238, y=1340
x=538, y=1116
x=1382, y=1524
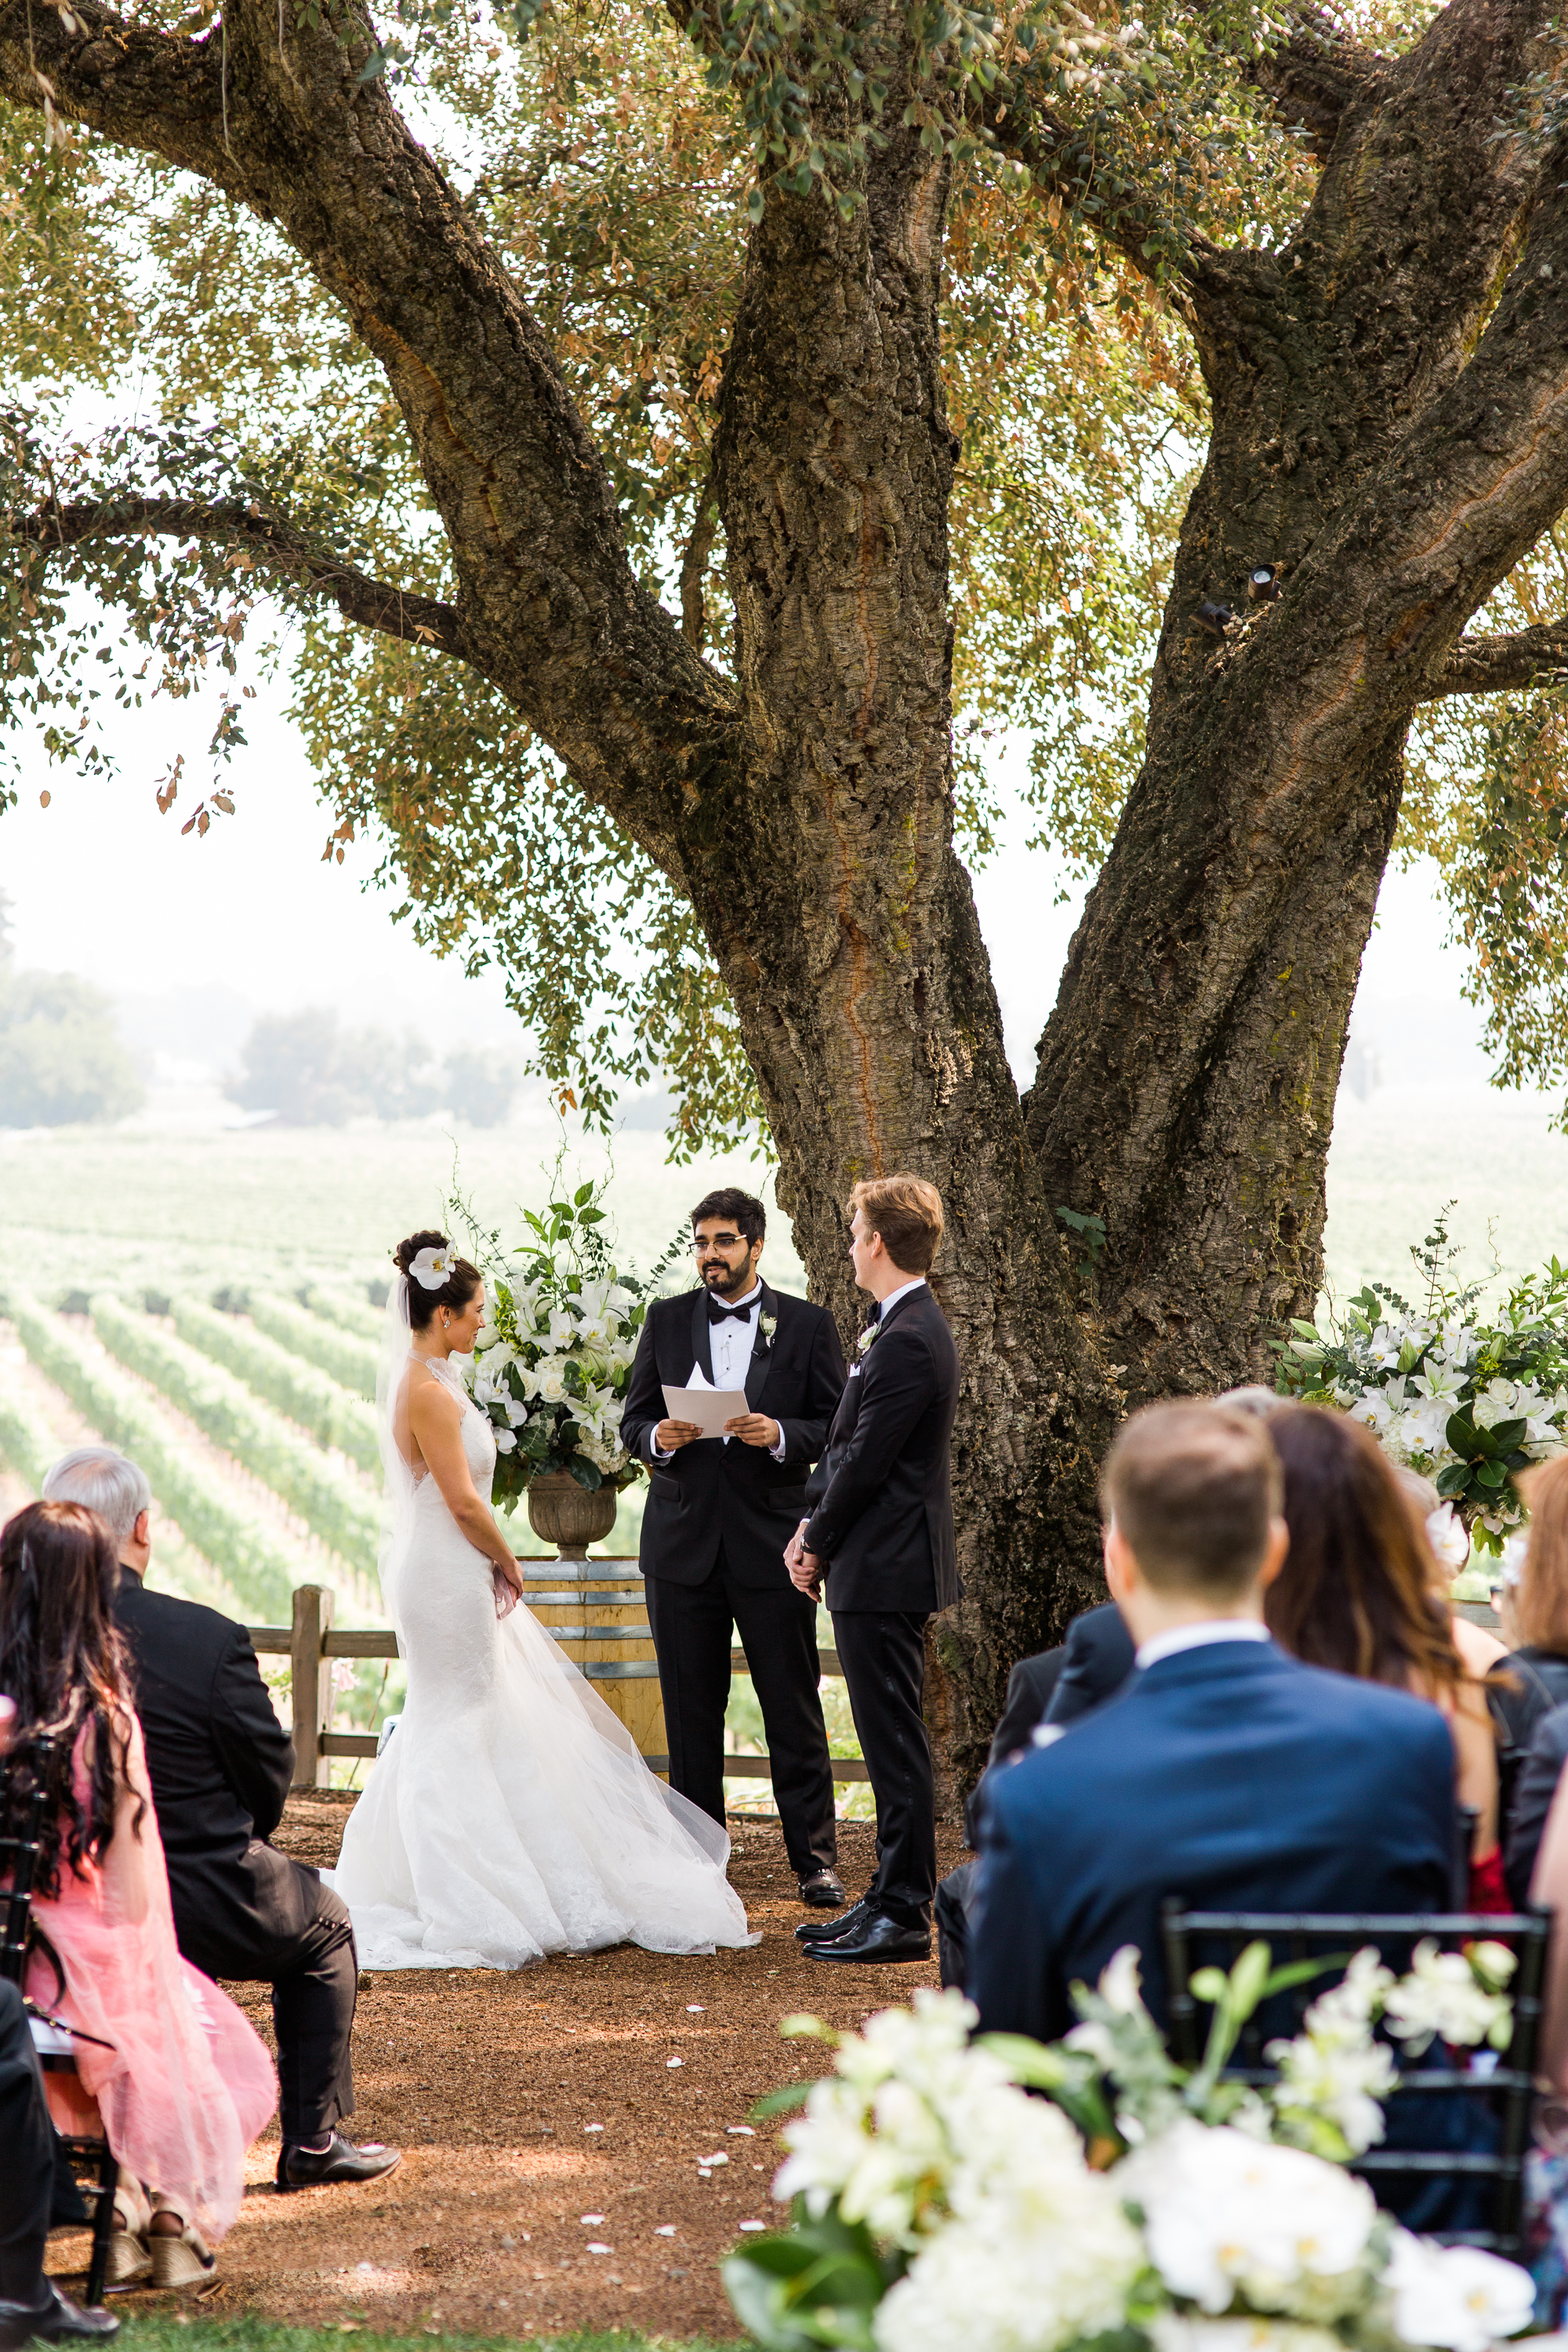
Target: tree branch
x=1129, y=218
x=370, y=604
x=1316, y=75
x=1492, y=665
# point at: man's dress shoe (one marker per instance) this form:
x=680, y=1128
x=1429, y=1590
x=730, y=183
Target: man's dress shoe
x=877, y=1940
x=303, y=2167
x=827, y=1931
x=824, y=1890
x=53, y=2319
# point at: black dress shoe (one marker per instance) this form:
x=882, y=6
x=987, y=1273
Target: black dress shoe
x=878, y=1939
x=303, y=2167
x=827, y=1931
x=54, y=2319
x=824, y=1890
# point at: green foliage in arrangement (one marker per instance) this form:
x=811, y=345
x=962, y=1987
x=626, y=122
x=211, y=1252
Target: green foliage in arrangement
x=259, y=1569
x=349, y=1361
x=344, y=1515
x=323, y=1409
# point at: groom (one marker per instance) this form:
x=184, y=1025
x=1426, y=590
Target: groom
x=881, y=1529
x=719, y=1512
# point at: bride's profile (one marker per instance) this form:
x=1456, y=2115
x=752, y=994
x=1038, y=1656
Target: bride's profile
x=510, y=1814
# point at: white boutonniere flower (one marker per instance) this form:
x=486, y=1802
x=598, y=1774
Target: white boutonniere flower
x=768, y=1325
x=432, y=1268
x=867, y=1336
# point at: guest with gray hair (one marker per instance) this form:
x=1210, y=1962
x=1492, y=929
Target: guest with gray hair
x=221, y=1765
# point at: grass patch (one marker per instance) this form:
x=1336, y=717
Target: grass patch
x=174, y=2331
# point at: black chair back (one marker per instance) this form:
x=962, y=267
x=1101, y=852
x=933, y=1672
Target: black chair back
x=1200, y=1938
x=24, y=1797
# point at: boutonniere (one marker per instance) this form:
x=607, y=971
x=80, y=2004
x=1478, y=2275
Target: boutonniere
x=767, y=1325
x=867, y=1336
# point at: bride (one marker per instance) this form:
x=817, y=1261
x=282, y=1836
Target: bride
x=510, y=1814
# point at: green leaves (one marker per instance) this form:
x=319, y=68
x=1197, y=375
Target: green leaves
x=820, y=2284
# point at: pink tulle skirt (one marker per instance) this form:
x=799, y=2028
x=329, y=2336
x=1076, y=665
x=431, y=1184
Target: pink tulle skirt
x=184, y=2083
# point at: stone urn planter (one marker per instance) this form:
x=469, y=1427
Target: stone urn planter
x=564, y=1514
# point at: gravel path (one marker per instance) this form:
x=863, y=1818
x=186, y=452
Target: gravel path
x=552, y=2123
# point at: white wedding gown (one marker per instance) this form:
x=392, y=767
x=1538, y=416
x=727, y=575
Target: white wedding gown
x=510, y=1815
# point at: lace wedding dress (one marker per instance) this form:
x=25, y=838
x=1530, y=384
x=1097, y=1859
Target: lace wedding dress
x=510, y=1814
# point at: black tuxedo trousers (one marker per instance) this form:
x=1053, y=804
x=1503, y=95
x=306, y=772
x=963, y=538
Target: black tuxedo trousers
x=691, y=1632
x=26, y=2155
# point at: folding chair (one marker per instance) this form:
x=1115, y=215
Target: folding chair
x=23, y=1783
x=1197, y=1938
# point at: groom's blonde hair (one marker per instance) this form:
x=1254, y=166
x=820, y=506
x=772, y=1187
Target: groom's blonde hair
x=906, y=1212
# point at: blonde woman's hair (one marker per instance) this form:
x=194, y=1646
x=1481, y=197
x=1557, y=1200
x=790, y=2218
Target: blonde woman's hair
x=1540, y=1597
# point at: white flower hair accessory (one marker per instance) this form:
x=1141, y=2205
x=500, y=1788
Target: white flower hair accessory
x=434, y=1268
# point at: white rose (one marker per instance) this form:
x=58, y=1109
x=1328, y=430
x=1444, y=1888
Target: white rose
x=1456, y=2296
x=550, y=1381
x=1225, y=2212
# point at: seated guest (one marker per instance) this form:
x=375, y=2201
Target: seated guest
x=1533, y=1791
x=1098, y=1662
x=221, y=1765
x=30, y=2304
x=1438, y=1525
x=1357, y=1593
x=1531, y=1674
x=1226, y=1774
x=181, y=2082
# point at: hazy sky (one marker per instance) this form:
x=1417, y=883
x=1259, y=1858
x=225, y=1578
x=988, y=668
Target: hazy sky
x=105, y=887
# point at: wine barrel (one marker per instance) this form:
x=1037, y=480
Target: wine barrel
x=597, y=1610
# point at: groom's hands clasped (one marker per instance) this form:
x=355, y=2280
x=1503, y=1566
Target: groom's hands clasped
x=805, y=1567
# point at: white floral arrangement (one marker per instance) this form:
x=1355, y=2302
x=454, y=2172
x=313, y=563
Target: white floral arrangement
x=938, y=2205
x=553, y=1363
x=1467, y=1403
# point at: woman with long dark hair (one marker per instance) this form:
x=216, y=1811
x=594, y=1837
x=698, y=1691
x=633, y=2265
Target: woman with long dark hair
x=1357, y=1593
x=180, y=2079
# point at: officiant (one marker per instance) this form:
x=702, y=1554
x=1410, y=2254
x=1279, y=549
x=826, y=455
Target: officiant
x=720, y=1513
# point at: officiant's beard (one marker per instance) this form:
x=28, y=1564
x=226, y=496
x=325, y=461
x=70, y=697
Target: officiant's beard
x=728, y=1282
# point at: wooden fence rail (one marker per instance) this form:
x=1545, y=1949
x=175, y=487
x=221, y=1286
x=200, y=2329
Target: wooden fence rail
x=312, y=1642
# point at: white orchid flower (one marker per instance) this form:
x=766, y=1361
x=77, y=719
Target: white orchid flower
x=505, y=1440
x=432, y=1268
x=1455, y=2296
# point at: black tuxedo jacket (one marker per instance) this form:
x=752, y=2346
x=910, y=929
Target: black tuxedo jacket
x=881, y=1496
x=220, y=1764
x=736, y=1494
x=1101, y=1653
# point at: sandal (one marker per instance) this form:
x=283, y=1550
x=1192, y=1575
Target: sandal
x=181, y=2261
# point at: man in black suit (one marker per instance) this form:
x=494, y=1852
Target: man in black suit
x=719, y=1512
x=221, y=1765
x=880, y=1530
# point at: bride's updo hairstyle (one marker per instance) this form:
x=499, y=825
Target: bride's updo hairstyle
x=455, y=1292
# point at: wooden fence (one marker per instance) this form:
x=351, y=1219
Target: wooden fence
x=313, y=1642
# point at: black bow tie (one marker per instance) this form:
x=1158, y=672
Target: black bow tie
x=874, y=1317
x=717, y=1313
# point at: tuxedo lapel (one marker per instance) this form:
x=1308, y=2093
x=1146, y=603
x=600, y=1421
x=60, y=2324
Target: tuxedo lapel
x=701, y=1345
x=762, y=1362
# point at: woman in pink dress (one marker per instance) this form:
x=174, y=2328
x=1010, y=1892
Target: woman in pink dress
x=180, y=2079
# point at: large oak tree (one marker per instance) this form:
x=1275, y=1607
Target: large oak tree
x=789, y=264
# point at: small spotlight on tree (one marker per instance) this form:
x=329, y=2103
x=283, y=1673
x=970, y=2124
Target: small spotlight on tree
x=1263, y=583
x=1214, y=618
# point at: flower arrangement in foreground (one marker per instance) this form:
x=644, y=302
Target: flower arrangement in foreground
x=1464, y=1401
x=553, y=1363
x=1138, y=2207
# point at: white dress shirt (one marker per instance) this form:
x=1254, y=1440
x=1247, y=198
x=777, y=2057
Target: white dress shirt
x=1197, y=1637
x=902, y=1291
x=731, y=1343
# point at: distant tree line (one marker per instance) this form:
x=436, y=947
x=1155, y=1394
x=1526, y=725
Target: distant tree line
x=62, y=1060
x=309, y=1071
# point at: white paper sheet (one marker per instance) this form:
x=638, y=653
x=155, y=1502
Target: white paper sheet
x=710, y=1408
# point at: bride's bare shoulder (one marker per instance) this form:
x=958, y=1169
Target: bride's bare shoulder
x=430, y=1401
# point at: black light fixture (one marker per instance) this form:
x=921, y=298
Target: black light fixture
x=1263, y=583
x=1214, y=618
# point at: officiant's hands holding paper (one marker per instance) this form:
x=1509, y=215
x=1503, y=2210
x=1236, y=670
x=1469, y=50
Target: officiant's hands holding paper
x=672, y=1436
x=755, y=1429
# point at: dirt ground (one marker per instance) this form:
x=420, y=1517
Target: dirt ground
x=552, y=2123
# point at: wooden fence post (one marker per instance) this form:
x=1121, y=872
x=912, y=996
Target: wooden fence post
x=311, y=1679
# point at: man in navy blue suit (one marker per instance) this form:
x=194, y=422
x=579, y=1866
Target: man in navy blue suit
x=1226, y=1773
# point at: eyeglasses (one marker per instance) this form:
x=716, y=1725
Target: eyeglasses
x=715, y=1241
